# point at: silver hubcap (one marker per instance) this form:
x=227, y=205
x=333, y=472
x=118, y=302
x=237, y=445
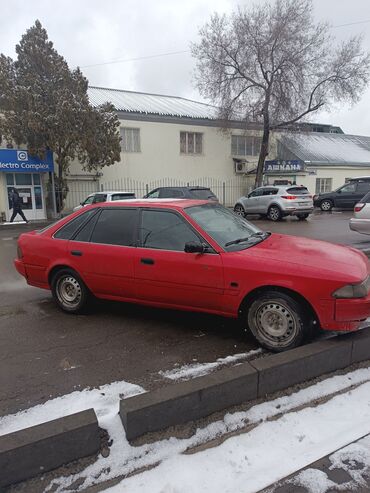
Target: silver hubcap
x=325, y=206
x=69, y=291
x=276, y=323
x=274, y=213
x=239, y=210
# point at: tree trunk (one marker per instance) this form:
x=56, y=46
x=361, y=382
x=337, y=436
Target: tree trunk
x=263, y=153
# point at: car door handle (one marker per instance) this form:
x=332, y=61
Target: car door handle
x=147, y=261
x=77, y=253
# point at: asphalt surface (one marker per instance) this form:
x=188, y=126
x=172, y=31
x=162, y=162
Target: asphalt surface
x=46, y=353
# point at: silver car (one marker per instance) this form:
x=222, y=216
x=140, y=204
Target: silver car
x=276, y=202
x=361, y=220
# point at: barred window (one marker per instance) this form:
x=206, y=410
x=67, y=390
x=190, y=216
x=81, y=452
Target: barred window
x=323, y=185
x=243, y=145
x=191, y=143
x=130, y=139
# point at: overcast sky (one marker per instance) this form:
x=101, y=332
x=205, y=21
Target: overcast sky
x=88, y=32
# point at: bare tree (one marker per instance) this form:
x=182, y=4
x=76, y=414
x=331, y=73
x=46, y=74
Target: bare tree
x=274, y=65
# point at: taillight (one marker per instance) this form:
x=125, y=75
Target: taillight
x=289, y=197
x=19, y=252
x=359, y=207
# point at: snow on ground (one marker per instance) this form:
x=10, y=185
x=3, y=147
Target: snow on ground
x=187, y=372
x=245, y=463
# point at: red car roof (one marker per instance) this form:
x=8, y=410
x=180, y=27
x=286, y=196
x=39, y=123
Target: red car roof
x=174, y=203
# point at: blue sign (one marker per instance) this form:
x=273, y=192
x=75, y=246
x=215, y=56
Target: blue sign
x=18, y=161
x=280, y=166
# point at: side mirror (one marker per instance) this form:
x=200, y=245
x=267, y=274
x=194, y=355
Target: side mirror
x=82, y=203
x=194, y=247
x=339, y=191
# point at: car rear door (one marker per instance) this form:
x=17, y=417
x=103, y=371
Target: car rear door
x=165, y=274
x=103, y=252
x=363, y=187
x=264, y=201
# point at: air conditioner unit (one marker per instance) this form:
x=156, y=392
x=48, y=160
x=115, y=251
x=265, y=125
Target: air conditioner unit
x=240, y=166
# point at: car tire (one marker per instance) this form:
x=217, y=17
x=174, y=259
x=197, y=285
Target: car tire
x=274, y=213
x=326, y=205
x=69, y=291
x=239, y=210
x=302, y=217
x=277, y=321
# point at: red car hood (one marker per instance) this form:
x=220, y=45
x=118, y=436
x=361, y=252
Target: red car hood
x=320, y=255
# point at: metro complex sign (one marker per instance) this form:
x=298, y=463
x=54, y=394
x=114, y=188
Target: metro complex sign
x=20, y=161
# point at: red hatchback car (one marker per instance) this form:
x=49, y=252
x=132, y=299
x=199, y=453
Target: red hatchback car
x=196, y=255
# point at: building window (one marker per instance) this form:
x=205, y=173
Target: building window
x=130, y=139
x=191, y=143
x=242, y=145
x=323, y=185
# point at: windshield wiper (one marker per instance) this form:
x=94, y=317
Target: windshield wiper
x=259, y=234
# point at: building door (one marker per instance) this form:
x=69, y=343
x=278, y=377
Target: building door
x=30, y=191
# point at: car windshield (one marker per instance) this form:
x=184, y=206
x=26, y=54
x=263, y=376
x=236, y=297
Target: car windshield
x=230, y=231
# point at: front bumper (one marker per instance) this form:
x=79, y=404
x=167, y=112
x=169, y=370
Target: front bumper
x=19, y=265
x=360, y=225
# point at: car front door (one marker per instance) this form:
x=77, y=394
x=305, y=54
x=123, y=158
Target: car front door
x=346, y=196
x=165, y=274
x=251, y=203
x=103, y=252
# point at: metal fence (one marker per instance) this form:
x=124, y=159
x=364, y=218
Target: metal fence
x=227, y=191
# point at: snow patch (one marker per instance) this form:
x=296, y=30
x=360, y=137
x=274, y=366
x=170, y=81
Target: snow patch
x=194, y=370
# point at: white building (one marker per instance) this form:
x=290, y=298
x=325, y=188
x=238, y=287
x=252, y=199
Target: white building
x=169, y=140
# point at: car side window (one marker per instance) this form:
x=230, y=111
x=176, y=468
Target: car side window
x=165, y=230
x=153, y=195
x=170, y=193
x=100, y=197
x=84, y=234
x=89, y=200
x=69, y=229
x=115, y=227
x=350, y=188
x=363, y=187
x=270, y=191
x=256, y=193
x=122, y=196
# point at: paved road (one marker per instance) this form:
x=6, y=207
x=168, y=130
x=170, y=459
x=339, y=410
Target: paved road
x=46, y=353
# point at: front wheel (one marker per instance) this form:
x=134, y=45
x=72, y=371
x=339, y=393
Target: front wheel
x=326, y=205
x=277, y=321
x=239, y=210
x=274, y=213
x=69, y=291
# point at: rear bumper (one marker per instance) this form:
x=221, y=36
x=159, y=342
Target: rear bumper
x=19, y=265
x=360, y=225
x=297, y=210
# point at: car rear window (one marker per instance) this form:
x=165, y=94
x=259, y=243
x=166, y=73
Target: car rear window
x=202, y=193
x=298, y=190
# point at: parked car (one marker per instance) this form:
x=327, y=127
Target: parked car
x=344, y=197
x=95, y=198
x=195, y=192
x=361, y=220
x=276, y=202
x=200, y=256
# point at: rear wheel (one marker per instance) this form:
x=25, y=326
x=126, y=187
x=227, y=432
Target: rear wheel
x=274, y=213
x=277, y=321
x=302, y=217
x=239, y=210
x=326, y=205
x=69, y=291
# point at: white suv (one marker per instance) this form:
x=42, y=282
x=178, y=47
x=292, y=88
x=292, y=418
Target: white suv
x=96, y=197
x=276, y=202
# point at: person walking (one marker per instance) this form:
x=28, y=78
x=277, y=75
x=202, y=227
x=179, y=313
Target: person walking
x=15, y=201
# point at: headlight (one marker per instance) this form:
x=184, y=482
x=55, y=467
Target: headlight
x=353, y=290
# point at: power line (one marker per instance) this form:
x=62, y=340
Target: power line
x=124, y=60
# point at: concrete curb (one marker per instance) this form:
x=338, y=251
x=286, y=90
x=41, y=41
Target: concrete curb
x=197, y=398
x=38, y=449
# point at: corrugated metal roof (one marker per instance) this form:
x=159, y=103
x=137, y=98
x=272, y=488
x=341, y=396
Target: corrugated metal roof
x=325, y=149
x=155, y=104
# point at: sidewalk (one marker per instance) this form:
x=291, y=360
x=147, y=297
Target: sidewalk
x=347, y=469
